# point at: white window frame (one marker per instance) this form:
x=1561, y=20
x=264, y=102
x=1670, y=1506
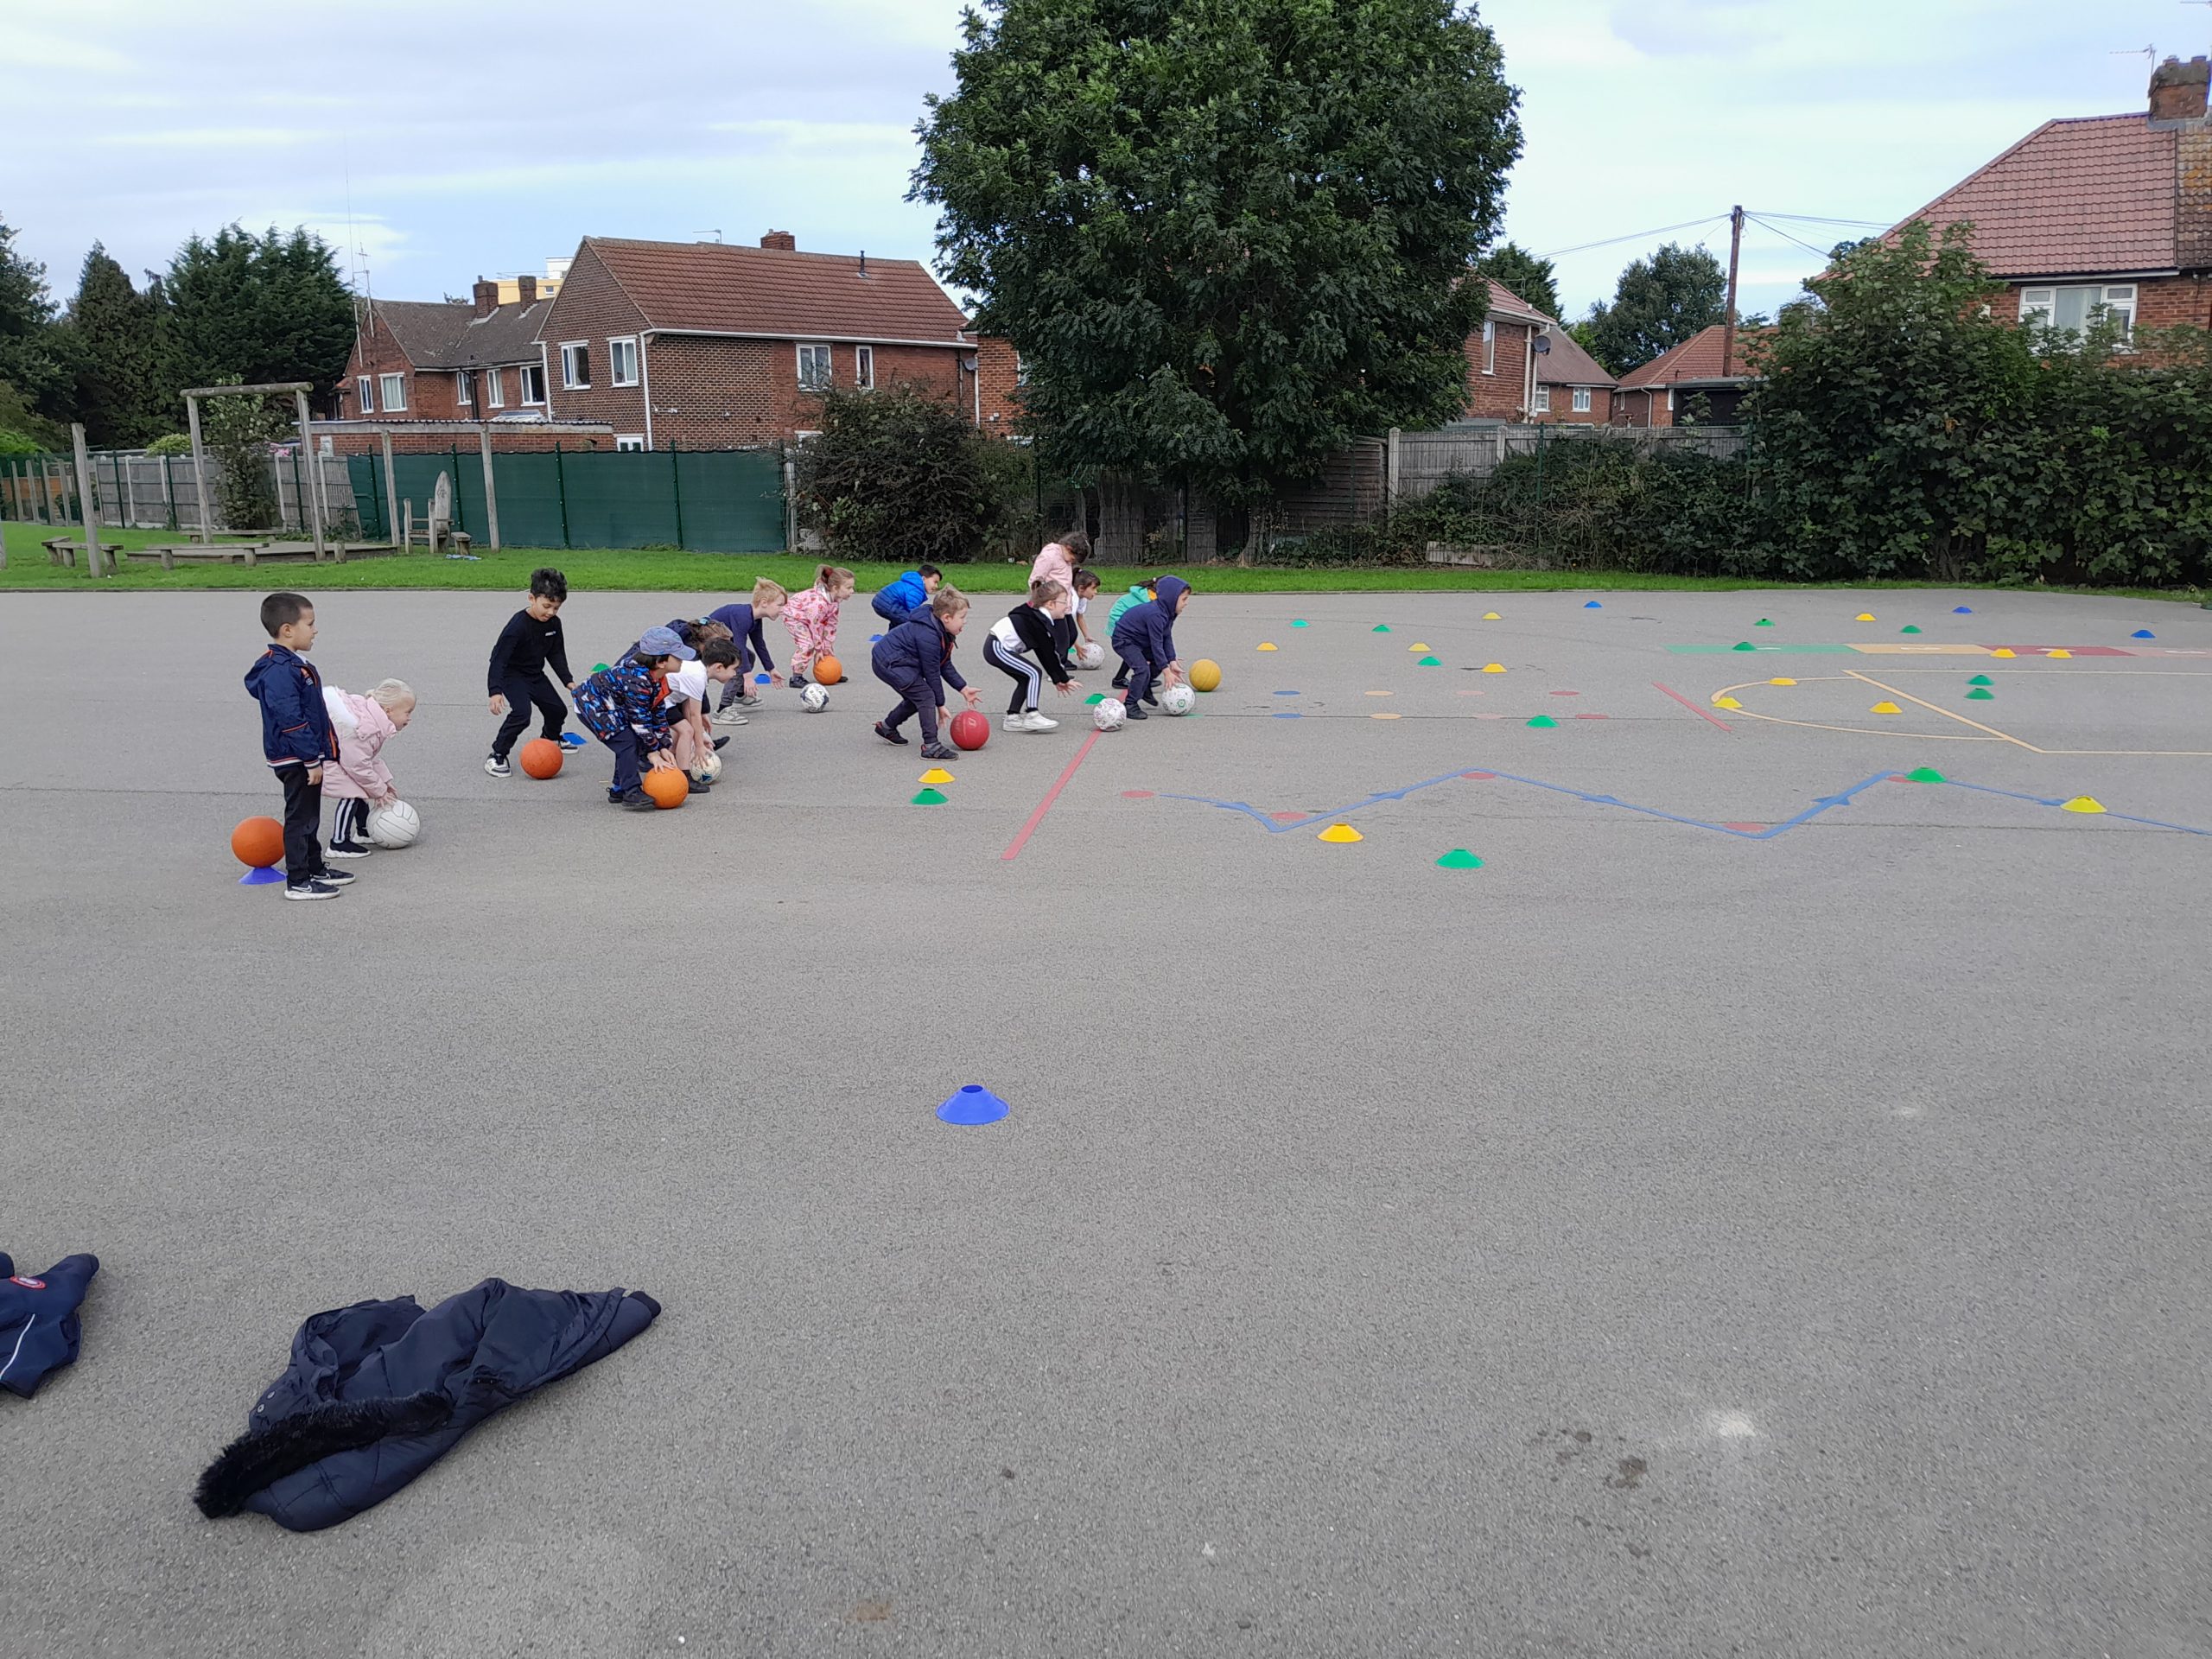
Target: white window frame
x=368, y=394
x=529, y=401
x=864, y=367
x=1582, y=400
x=614, y=362
x=1020, y=371
x=583, y=348
x=386, y=385
x=1543, y=399
x=464, y=386
x=2039, y=304
x=495, y=394
x=1670, y=400
x=805, y=356
x=625, y=443
x=1490, y=346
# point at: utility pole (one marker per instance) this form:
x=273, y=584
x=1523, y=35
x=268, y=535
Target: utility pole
x=1728, y=327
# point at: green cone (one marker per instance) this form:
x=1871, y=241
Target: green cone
x=1978, y=694
x=1299, y=623
x=1382, y=627
x=599, y=668
x=1429, y=662
x=928, y=798
x=1094, y=699
x=1908, y=628
x=1925, y=775
x=1459, y=859
x=1544, y=722
x=1982, y=679
x=1745, y=645
x=1763, y=622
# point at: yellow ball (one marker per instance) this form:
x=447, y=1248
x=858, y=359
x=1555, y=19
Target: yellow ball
x=1206, y=674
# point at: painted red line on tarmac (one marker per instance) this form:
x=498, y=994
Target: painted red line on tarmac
x=1051, y=795
x=1687, y=704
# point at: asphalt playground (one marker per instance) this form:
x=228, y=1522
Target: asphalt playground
x=1763, y=1208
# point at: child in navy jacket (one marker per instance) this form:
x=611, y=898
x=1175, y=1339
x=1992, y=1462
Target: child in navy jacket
x=1145, y=637
x=744, y=622
x=915, y=660
x=296, y=739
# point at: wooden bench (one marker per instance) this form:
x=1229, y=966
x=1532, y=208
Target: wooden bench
x=198, y=553
x=62, y=550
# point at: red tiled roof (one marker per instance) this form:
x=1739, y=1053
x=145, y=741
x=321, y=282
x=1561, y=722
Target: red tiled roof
x=716, y=288
x=1508, y=307
x=1566, y=364
x=1697, y=358
x=2090, y=195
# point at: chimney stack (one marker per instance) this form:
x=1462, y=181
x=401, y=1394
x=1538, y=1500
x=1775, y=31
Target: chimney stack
x=2177, y=91
x=527, y=289
x=487, y=297
x=783, y=239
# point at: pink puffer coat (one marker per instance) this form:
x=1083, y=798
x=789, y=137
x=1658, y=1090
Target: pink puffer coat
x=362, y=725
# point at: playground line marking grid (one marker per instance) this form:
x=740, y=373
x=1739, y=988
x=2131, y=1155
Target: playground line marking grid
x=1981, y=734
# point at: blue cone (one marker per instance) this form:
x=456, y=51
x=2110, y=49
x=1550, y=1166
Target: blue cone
x=1593, y=606
x=759, y=679
x=261, y=877
x=1961, y=610
x=971, y=1106
x=2142, y=633
x=872, y=637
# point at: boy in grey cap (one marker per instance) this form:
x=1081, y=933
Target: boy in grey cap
x=622, y=707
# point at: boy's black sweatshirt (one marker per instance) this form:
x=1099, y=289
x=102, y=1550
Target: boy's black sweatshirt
x=524, y=648
x=1036, y=631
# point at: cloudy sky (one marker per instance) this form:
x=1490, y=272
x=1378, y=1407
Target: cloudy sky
x=437, y=141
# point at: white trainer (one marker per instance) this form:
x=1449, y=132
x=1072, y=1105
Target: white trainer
x=1013, y=724
x=1037, y=720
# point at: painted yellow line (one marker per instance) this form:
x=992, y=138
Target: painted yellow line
x=1980, y=734
x=1946, y=712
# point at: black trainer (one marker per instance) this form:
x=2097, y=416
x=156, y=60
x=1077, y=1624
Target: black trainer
x=888, y=733
x=938, y=751
x=334, y=878
x=498, y=766
x=637, y=801
x=1135, y=711
x=309, y=890
x=349, y=849
x=720, y=742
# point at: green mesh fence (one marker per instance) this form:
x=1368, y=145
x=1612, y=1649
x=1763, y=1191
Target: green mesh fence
x=713, y=501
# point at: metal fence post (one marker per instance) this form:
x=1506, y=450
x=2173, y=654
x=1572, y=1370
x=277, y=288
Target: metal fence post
x=561, y=490
x=676, y=479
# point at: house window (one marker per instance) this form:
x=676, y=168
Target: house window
x=1020, y=371
x=2075, y=310
x=368, y=396
x=864, y=367
x=622, y=362
x=1582, y=400
x=1543, y=400
x=813, y=368
x=1670, y=400
x=629, y=440
x=495, y=395
x=395, y=393
x=533, y=385
x=464, y=386
x=575, y=365
x=1490, y=347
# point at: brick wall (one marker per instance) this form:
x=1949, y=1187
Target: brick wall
x=999, y=366
x=1497, y=395
x=591, y=306
x=1640, y=408
x=515, y=436
x=432, y=394
x=2164, y=303
x=1563, y=412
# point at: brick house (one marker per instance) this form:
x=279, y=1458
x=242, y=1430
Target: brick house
x=710, y=346
x=1571, y=388
x=445, y=360
x=1501, y=360
x=1661, y=392
x=2109, y=213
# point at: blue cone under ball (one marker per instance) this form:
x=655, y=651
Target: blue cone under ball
x=261, y=877
x=972, y=1105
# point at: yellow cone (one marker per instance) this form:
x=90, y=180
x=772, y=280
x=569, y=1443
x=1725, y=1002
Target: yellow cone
x=1386, y=716
x=2004, y=651
x=2084, y=804
x=2059, y=653
x=1885, y=709
x=1726, y=702
x=1267, y=646
x=1864, y=616
x=1782, y=682
x=1493, y=668
x=935, y=775
x=1341, y=832
x=1381, y=694
x=1416, y=647
x=1492, y=616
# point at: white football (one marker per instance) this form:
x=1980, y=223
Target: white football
x=1177, y=700
x=397, y=825
x=814, y=699
x=1108, y=716
x=709, y=768
x=1088, y=654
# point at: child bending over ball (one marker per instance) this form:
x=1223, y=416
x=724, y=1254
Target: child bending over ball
x=1146, y=637
x=915, y=660
x=1084, y=590
x=897, y=600
x=1057, y=560
x=1140, y=594
x=685, y=699
x=360, y=779
x=529, y=644
x=1009, y=646
x=810, y=618
x=622, y=708
x=744, y=622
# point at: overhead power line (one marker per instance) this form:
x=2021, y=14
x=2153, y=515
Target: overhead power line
x=1760, y=221
x=1635, y=236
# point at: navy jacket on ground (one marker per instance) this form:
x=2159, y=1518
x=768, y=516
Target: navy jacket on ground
x=1150, y=628
x=38, y=1320
x=378, y=1392
x=917, y=655
x=294, y=726
x=899, y=599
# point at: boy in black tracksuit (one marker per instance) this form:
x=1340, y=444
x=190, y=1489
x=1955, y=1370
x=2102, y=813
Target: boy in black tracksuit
x=915, y=660
x=517, y=677
x=297, y=741
x=1021, y=644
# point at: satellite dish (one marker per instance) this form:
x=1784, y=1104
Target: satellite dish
x=1544, y=345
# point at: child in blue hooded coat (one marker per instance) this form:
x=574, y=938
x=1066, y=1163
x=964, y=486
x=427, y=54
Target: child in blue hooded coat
x=915, y=660
x=1145, y=637
x=912, y=591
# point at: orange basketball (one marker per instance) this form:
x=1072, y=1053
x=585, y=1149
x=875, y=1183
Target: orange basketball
x=828, y=670
x=668, y=786
x=259, y=843
x=541, y=758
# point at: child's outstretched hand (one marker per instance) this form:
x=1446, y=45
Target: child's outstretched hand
x=775, y=679
x=498, y=704
x=1067, y=688
x=973, y=696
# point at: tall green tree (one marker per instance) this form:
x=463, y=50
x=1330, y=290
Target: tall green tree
x=259, y=308
x=1531, y=278
x=1226, y=236
x=27, y=361
x=1658, y=302
x=116, y=344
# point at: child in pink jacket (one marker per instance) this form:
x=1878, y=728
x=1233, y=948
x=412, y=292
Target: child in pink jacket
x=812, y=616
x=1058, y=562
x=359, y=779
